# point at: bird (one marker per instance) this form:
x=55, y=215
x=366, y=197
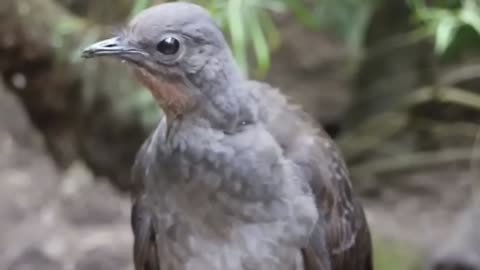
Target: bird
x=235, y=176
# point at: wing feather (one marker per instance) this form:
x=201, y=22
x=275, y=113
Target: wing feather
x=145, y=246
x=341, y=239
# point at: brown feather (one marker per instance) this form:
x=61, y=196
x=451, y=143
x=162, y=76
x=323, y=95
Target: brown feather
x=341, y=238
x=170, y=95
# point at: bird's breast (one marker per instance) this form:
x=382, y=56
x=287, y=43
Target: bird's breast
x=247, y=247
x=227, y=201
x=242, y=177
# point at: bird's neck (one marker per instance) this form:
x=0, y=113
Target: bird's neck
x=213, y=95
x=220, y=95
x=171, y=95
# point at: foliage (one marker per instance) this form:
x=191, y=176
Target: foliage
x=250, y=25
x=347, y=18
x=249, y=22
x=138, y=6
x=453, y=24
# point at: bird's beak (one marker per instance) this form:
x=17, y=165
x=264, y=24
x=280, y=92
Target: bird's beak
x=115, y=46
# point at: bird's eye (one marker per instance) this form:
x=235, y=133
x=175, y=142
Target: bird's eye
x=168, y=46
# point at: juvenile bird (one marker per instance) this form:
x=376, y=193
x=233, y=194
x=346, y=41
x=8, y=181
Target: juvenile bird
x=233, y=177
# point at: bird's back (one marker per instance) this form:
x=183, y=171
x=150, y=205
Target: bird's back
x=341, y=239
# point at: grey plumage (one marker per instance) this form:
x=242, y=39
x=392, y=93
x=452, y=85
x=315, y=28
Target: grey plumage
x=234, y=177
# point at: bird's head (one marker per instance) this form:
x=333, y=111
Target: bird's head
x=177, y=51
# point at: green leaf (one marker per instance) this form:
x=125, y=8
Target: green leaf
x=445, y=34
x=139, y=6
x=470, y=14
x=237, y=31
x=302, y=13
x=260, y=44
x=273, y=37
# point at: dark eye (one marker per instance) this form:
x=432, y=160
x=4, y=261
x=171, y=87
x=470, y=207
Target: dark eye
x=169, y=45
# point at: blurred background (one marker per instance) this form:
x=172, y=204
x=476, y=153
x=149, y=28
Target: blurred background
x=395, y=82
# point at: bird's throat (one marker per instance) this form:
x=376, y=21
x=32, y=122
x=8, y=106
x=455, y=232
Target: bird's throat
x=170, y=95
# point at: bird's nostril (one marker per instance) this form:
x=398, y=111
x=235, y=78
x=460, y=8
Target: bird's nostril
x=110, y=45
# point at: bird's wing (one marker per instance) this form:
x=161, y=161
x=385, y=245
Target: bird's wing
x=341, y=239
x=145, y=253
x=347, y=233
x=145, y=249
